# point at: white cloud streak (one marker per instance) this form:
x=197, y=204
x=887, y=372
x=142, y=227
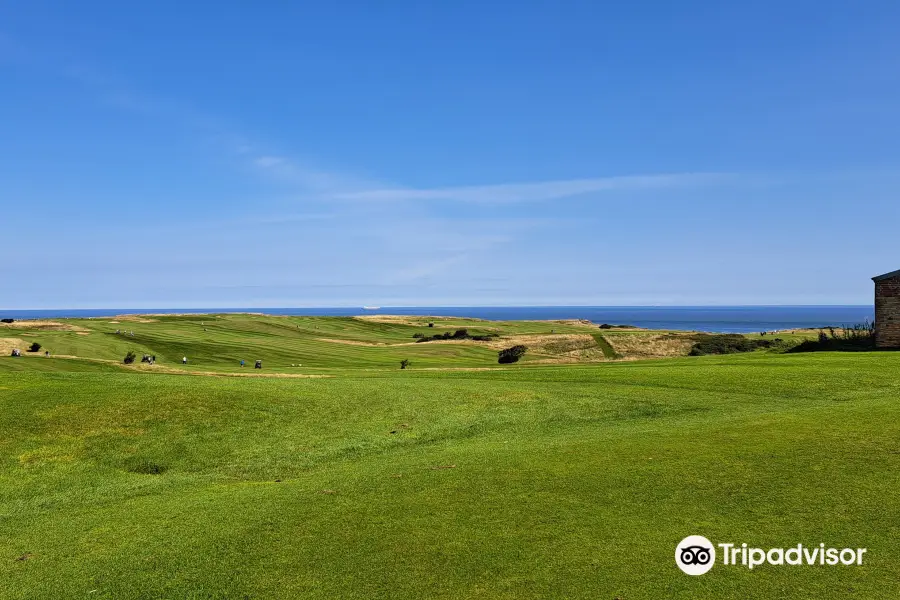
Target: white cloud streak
x=538, y=191
x=325, y=183
x=261, y=160
x=341, y=186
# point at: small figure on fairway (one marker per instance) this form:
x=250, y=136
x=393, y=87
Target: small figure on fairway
x=242, y=363
x=184, y=360
x=258, y=365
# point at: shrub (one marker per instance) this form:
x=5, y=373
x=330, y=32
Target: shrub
x=483, y=338
x=7, y=320
x=404, y=363
x=417, y=336
x=727, y=343
x=431, y=324
x=511, y=355
x=459, y=334
x=34, y=347
x=129, y=358
x=859, y=337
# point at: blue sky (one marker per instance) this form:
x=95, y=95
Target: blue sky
x=203, y=154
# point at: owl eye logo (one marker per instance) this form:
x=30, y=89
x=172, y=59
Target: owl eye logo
x=695, y=555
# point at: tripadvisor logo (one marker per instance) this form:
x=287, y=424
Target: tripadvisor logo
x=696, y=555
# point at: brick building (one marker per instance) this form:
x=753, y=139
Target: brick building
x=887, y=310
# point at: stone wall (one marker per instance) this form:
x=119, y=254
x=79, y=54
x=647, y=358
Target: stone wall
x=887, y=313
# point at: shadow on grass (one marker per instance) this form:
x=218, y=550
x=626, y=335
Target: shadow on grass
x=143, y=466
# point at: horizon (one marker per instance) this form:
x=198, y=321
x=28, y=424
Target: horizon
x=722, y=319
x=238, y=309
x=627, y=155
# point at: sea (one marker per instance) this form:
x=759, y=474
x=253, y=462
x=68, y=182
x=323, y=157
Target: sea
x=720, y=319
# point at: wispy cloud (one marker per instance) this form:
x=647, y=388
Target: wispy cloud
x=318, y=212
x=310, y=181
x=326, y=183
x=229, y=139
x=425, y=269
x=437, y=250
x=538, y=191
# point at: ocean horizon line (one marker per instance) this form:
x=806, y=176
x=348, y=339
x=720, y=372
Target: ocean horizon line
x=711, y=318
x=240, y=309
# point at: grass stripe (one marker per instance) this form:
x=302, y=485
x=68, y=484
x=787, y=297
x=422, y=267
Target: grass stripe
x=605, y=346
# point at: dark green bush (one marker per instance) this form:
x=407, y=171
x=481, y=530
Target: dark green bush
x=483, y=338
x=727, y=343
x=7, y=320
x=459, y=334
x=511, y=355
x=404, y=363
x=129, y=358
x=437, y=336
x=34, y=347
x=858, y=338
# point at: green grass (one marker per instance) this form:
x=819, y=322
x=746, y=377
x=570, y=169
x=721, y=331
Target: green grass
x=570, y=481
x=605, y=347
x=219, y=342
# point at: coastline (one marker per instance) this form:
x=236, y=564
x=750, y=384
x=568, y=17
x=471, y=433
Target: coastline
x=753, y=320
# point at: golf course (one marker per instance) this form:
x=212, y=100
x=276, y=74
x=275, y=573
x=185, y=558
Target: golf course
x=332, y=472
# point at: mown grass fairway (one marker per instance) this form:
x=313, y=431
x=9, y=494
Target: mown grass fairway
x=319, y=344
x=527, y=481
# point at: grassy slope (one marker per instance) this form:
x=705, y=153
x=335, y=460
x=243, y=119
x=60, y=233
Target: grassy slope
x=572, y=481
x=219, y=342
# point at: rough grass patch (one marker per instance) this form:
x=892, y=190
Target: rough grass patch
x=144, y=466
x=649, y=345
